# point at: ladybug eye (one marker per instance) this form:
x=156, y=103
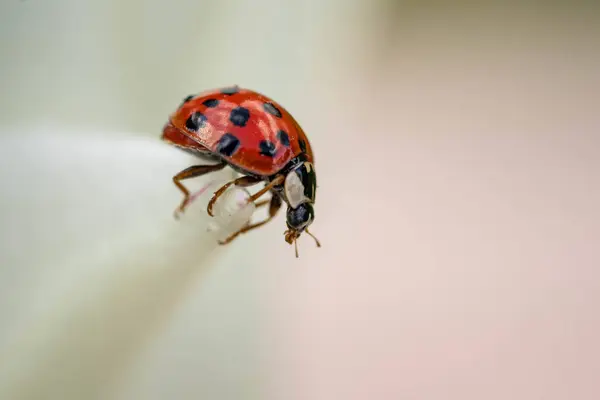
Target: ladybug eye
x=299, y=218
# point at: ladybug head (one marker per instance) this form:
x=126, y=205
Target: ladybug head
x=299, y=218
x=298, y=221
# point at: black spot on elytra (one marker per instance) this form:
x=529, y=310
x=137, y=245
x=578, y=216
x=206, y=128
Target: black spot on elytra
x=211, y=103
x=230, y=90
x=302, y=145
x=267, y=148
x=271, y=109
x=283, y=138
x=195, y=121
x=228, y=144
x=239, y=116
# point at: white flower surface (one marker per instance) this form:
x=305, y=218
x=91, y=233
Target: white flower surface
x=456, y=149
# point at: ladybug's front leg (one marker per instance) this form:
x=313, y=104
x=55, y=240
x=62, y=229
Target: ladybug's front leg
x=275, y=205
x=192, y=172
x=277, y=181
x=243, y=181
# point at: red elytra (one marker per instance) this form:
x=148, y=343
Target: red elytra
x=257, y=137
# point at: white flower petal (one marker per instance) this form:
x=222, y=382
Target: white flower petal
x=92, y=258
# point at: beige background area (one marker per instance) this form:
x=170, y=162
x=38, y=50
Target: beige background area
x=457, y=153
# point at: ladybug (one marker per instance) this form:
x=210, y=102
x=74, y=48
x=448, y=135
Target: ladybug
x=255, y=136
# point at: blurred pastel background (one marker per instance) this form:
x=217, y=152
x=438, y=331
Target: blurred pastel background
x=458, y=152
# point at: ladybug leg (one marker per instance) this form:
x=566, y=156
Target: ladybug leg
x=243, y=181
x=277, y=181
x=192, y=172
x=275, y=205
x=262, y=203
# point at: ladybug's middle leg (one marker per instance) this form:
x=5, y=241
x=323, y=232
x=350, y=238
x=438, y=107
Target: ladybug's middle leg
x=274, y=206
x=192, y=172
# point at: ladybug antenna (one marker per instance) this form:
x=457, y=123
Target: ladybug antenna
x=313, y=236
x=296, y=245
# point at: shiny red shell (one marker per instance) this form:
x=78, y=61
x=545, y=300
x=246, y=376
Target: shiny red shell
x=245, y=128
